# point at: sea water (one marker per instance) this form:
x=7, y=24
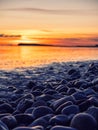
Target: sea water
x=26, y=56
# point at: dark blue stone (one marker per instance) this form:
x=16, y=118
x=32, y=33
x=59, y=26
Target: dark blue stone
x=71, y=91
x=31, y=84
x=28, y=96
x=36, y=93
x=39, y=103
x=41, y=88
x=29, y=110
x=6, y=108
x=41, y=111
x=62, y=128
x=4, y=114
x=81, y=83
x=93, y=68
x=29, y=128
x=25, y=119
x=79, y=95
x=3, y=126
x=93, y=101
x=19, y=91
x=51, y=92
x=60, y=101
x=84, y=121
x=62, y=88
x=59, y=109
x=73, y=74
x=89, y=91
x=95, y=81
x=59, y=120
x=84, y=105
x=42, y=121
x=24, y=104
x=94, y=112
x=23, y=128
x=45, y=97
x=71, y=109
x=10, y=121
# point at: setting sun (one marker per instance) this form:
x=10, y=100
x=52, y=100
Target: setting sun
x=26, y=39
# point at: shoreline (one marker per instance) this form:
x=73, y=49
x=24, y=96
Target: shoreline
x=46, y=65
x=57, y=93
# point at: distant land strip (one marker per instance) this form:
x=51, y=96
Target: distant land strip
x=34, y=44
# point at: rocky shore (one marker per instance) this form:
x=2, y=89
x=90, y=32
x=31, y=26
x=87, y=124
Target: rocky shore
x=60, y=96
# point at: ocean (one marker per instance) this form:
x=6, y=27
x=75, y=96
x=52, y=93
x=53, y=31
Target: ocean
x=12, y=57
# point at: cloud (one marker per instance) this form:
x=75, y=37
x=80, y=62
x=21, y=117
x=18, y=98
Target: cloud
x=9, y=36
x=94, y=39
x=51, y=11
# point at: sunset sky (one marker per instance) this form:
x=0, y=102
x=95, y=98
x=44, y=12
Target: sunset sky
x=64, y=22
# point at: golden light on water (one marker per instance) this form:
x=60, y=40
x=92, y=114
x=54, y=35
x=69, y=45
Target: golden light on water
x=26, y=56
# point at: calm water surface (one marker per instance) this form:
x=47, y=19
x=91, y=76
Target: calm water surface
x=25, y=56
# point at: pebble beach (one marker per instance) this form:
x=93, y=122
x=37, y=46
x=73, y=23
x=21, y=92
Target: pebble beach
x=58, y=96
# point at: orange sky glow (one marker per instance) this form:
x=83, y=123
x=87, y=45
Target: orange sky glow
x=56, y=22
